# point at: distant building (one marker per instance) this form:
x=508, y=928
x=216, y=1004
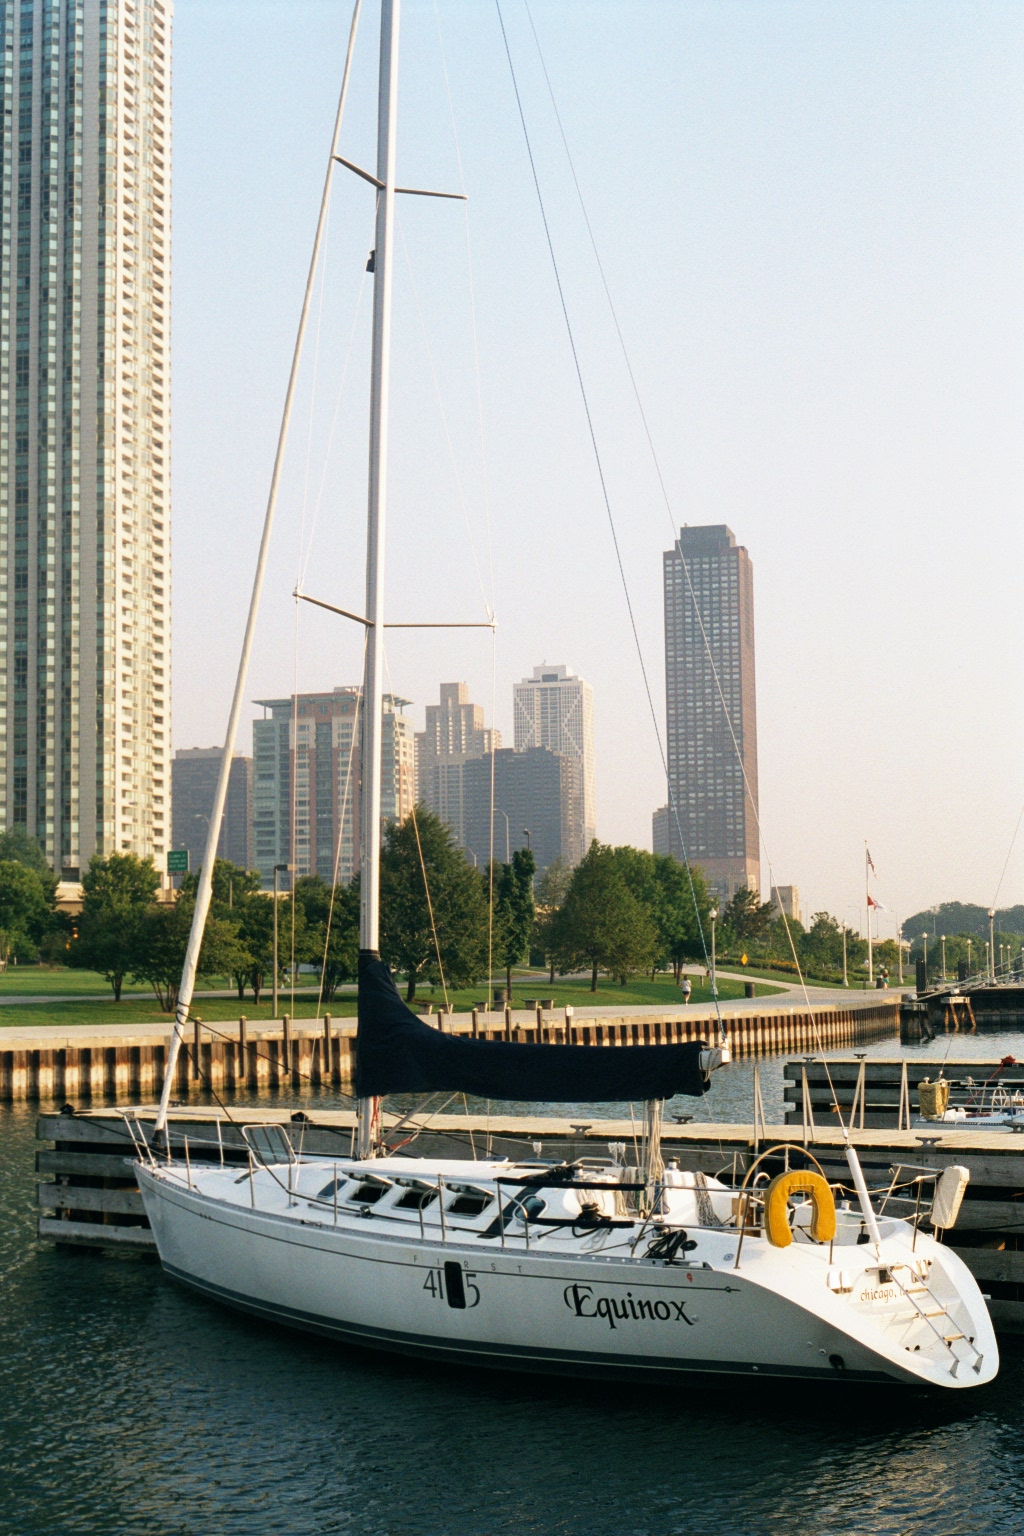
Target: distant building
x=535, y=792
x=194, y=773
x=709, y=668
x=455, y=735
x=661, y=841
x=786, y=902
x=555, y=709
x=316, y=738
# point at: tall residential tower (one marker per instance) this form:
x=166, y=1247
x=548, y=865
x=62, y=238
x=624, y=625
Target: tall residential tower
x=712, y=717
x=555, y=709
x=84, y=426
x=315, y=739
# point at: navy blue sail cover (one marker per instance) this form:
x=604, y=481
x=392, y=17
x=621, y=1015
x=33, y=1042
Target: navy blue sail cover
x=397, y=1053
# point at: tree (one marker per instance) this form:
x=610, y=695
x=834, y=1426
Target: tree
x=118, y=891
x=745, y=917
x=17, y=847
x=254, y=959
x=602, y=924
x=26, y=914
x=332, y=930
x=680, y=912
x=162, y=935
x=550, y=891
x=457, y=901
x=821, y=947
x=514, y=911
x=231, y=886
x=963, y=918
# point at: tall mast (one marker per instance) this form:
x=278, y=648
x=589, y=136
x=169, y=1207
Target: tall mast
x=373, y=684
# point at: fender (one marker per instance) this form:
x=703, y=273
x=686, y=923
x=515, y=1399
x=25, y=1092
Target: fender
x=776, y=1207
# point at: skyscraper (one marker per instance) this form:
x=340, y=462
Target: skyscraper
x=194, y=773
x=455, y=735
x=84, y=419
x=317, y=737
x=555, y=709
x=537, y=801
x=709, y=671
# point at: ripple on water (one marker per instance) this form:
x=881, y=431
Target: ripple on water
x=128, y=1406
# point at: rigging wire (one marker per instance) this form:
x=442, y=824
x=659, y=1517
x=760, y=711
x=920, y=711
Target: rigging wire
x=600, y=470
x=1006, y=863
x=677, y=543
x=485, y=475
x=341, y=836
x=423, y=865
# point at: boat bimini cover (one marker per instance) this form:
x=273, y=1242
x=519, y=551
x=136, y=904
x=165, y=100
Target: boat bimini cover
x=397, y=1053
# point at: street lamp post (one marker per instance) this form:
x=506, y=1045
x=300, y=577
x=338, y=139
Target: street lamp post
x=942, y=941
x=969, y=957
x=924, y=936
x=278, y=869
x=992, y=942
x=899, y=943
x=526, y=834
x=713, y=914
x=846, y=981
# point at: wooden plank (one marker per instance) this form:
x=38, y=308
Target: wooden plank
x=80, y=1197
x=991, y=1216
x=94, y=1164
x=994, y=1263
x=94, y=1128
x=94, y=1234
x=1007, y=1316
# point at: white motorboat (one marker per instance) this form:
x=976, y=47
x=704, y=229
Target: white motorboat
x=591, y=1267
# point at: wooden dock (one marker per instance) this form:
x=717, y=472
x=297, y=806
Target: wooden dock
x=128, y=1065
x=88, y=1195
x=881, y=1092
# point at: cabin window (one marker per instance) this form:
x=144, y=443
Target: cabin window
x=369, y=1194
x=470, y=1203
x=415, y=1199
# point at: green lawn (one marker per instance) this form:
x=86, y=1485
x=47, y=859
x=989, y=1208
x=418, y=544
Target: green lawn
x=92, y=1011
x=52, y=980
x=638, y=992
x=60, y=980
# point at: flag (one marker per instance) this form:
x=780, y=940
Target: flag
x=867, y=852
x=877, y=904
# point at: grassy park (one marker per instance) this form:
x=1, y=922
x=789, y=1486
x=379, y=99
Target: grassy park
x=92, y=1004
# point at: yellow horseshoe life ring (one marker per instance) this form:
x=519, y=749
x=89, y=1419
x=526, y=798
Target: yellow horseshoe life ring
x=776, y=1203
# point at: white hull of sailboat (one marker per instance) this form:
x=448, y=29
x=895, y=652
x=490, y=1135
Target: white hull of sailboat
x=461, y=1296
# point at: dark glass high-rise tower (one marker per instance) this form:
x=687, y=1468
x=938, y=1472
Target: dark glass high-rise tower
x=709, y=680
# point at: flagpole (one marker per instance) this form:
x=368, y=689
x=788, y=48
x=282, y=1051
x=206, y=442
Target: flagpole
x=867, y=912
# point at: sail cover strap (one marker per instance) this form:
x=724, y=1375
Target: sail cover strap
x=397, y=1053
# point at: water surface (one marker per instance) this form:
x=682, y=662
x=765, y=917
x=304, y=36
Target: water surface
x=129, y=1406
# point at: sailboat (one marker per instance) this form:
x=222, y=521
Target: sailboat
x=588, y=1267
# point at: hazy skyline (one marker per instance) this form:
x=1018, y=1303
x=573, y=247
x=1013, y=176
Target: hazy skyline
x=810, y=219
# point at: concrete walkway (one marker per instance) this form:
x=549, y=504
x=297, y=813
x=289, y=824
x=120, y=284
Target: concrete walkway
x=59, y=1036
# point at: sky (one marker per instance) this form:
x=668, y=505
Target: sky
x=809, y=217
